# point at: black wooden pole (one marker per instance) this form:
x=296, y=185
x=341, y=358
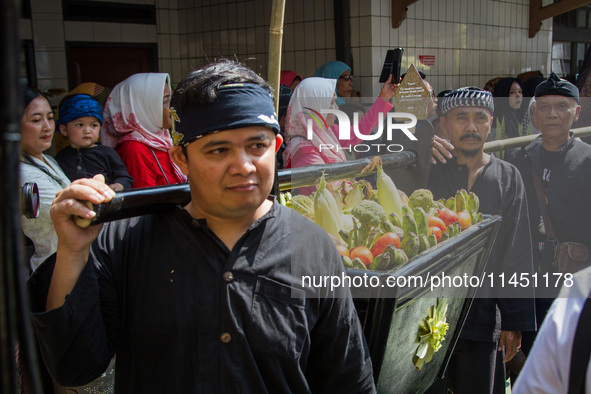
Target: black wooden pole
x=342, y=32
x=15, y=327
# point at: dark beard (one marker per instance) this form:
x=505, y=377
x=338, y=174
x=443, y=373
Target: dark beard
x=469, y=153
x=472, y=152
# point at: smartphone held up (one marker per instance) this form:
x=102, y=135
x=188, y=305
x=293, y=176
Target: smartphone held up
x=392, y=65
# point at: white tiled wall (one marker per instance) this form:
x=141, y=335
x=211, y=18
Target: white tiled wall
x=48, y=41
x=239, y=29
x=472, y=40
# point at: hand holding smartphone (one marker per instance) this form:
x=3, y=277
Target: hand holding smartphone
x=392, y=65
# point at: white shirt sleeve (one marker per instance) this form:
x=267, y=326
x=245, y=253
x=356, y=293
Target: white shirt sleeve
x=547, y=368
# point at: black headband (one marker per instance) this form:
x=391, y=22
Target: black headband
x=238, y=105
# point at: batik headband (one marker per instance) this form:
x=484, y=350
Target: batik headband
x=79, y=106
x=238, y=105
x=465, y=97
x=555, y=86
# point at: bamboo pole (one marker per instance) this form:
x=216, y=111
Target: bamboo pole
x=275, y=42
x=517, y=142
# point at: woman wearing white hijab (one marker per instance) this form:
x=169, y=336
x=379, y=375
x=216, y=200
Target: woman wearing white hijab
x=311, y=96
x=136, y=123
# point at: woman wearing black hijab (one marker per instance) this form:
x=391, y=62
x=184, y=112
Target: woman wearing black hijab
x=509, y=107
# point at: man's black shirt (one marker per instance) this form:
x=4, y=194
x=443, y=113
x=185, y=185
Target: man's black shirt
x=184, y=314
x=501, y=192
x=566, y=176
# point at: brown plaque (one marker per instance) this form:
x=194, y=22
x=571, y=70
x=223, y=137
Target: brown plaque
x=412, y=96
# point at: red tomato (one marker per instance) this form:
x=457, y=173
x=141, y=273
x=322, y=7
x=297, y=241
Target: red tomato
x=363, y=253
x=343, y=251
x=434, y=221
x=382, y=243
x=437, y=231
x=464, y=219
x=448, y=216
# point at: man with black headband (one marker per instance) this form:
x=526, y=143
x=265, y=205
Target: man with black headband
x=205, y=298
x=466, y=117
x=562, y=163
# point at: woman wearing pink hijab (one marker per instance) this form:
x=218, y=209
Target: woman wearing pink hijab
x=289, y=78
x=136, y=123
x=311, y=96
x=324, y=146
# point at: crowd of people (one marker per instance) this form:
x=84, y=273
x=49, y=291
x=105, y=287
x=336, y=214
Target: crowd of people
x=232, y=319
x=559, y=164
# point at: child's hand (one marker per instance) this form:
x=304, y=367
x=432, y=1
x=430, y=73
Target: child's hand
x=117, y=187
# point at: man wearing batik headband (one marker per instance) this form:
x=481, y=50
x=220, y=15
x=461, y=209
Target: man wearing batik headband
x=208, y=297
x=562, y=163
x=466, y=117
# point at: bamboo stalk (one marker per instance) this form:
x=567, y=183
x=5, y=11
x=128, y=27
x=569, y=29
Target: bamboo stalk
x=275, y=42
x=517, y=142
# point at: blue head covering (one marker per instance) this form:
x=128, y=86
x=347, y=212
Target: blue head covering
x=333, y=70
x=79, y=106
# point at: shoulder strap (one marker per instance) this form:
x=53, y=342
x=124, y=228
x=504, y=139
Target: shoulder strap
x=159, y=166
x=29, y=160
x=542, y=201
x=579, y=360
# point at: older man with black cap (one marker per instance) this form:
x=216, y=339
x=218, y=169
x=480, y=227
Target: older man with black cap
x=556, y=170
x=205, y=298
x=497, y=315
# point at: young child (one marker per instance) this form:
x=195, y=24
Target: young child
x=80, y=121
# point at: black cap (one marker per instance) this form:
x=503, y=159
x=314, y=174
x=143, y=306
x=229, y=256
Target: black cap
x=555, y=86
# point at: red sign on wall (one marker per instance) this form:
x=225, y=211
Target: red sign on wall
x=427, y=60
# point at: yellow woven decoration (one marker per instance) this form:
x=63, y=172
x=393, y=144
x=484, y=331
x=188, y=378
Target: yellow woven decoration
x=176, y=136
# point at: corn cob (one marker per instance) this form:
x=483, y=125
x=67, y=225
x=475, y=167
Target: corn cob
x=326, y=212
x=387, y=193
